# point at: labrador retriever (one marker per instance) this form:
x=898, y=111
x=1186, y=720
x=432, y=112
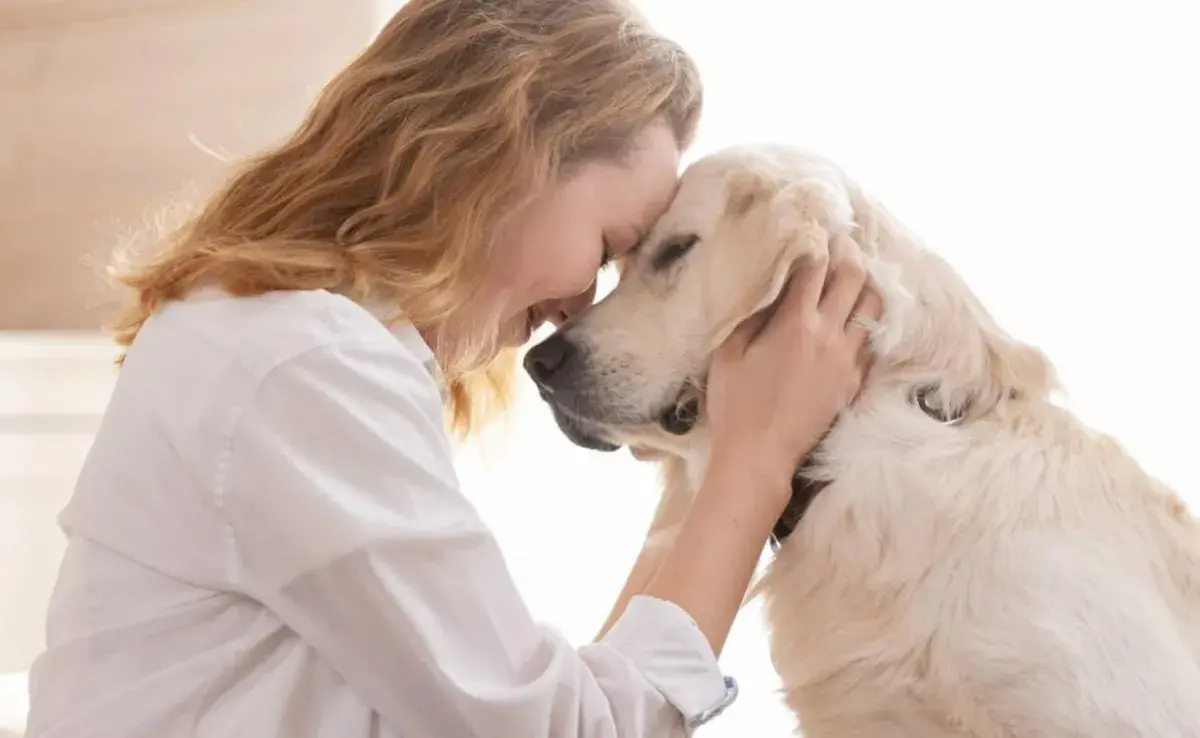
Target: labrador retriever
x=962, y=555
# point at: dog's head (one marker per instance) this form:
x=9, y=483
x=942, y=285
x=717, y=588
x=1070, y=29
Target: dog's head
x=631, y=369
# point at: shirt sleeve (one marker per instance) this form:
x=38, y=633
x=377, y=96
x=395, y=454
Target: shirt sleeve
x=347, y=521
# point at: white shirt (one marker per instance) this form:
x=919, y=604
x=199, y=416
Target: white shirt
x=268, y=539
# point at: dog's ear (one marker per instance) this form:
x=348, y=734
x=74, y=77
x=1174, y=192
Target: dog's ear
x=781, y=225
x=943, y=334
x=1004, y=369
x=748, y=190
x=1015, y=369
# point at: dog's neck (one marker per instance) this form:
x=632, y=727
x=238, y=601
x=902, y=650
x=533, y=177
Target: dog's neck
x=804, y=491
x=804, y=488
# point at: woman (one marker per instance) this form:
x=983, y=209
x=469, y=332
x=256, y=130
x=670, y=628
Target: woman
x=267, y=538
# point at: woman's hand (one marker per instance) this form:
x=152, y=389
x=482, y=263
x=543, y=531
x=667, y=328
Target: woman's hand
x=778, y=383
x=775, y=387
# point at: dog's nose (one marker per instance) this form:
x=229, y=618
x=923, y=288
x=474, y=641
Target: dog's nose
x=548, y=359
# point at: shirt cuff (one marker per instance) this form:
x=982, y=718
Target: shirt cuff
x=666, y=645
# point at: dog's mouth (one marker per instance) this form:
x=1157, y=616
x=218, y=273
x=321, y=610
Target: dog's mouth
x=580, y=432
x=679, y=418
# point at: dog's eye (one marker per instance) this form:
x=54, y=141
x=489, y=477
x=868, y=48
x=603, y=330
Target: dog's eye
x=675, y=250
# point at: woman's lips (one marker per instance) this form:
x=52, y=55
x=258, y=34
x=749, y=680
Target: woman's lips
x=530, y=323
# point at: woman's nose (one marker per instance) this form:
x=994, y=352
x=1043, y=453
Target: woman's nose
x=565, y=309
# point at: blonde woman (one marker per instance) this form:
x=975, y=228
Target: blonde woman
x=268, y=539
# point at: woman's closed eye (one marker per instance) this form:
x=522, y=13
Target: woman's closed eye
x=607, y=255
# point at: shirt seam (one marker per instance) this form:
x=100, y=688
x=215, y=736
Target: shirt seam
x=226, y=437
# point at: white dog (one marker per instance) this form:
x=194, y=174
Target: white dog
x=977, y=561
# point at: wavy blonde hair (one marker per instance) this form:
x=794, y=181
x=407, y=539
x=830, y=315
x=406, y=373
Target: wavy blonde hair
x=392, y=189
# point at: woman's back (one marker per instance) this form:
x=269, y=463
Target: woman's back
x=151, y=602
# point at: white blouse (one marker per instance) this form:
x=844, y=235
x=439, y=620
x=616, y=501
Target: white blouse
x=268, y=539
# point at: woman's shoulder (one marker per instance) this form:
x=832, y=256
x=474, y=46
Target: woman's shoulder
x=277, y=379
x=213, y=354
x=257, y=334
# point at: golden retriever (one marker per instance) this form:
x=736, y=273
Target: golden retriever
x=965, y=558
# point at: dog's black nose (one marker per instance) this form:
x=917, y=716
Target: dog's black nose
x=547, y=359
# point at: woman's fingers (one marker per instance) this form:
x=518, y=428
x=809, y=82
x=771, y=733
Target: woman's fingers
x=802, y=295
x=746, y=331
x=865, y=315
x=845, y=288
x=801, y=298
x=818, y=295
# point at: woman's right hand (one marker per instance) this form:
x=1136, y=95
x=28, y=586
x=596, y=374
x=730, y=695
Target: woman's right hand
x=775, y=387
x=778, y=383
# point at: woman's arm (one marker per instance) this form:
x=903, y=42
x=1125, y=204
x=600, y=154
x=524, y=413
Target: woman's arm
x=685, y=531
x=673, y=505
x=348, y=524
x=708, y=569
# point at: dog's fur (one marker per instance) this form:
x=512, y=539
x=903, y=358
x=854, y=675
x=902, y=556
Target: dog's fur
x=1012, y=574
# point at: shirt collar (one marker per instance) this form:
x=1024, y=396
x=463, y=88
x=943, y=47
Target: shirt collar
x=409, y=337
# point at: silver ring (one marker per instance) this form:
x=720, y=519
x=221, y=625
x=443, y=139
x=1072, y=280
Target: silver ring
x=867, y=324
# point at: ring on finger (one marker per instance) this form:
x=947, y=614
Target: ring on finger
x=867, y=324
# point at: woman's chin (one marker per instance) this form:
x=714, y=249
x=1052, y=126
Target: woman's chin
x=513, y=343
x=517, y=332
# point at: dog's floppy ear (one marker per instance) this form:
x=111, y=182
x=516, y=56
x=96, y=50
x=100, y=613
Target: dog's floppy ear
x=1001, y=368
x=746, y=191
x=782, y=225
x=1015, y=369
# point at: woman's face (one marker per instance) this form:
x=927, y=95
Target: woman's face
x=547, y=259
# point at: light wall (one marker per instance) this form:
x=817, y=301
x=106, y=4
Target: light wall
x=53, y=389
x=107, y=107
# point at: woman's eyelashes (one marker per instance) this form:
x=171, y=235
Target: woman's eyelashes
x=673, y=250
x=606, y=254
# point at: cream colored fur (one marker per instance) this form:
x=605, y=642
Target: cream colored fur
x=1015, y=575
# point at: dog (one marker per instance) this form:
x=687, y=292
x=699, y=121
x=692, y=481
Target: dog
x=962, y=555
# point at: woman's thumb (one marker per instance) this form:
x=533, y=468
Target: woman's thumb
x=746, y=332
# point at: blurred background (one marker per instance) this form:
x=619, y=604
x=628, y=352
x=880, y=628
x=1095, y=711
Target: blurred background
x=1049, y=149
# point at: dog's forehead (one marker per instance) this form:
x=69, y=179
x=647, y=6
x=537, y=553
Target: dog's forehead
x=699, y=200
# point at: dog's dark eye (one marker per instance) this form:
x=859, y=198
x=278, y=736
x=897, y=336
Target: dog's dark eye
x=675, y=250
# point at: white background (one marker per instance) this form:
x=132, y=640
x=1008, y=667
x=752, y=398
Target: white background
x=1048, y=149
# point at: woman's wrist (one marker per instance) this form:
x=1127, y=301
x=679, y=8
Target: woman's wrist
x=708, y=569
x=764, y=476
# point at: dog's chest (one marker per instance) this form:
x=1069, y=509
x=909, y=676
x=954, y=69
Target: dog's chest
x=852, y=599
